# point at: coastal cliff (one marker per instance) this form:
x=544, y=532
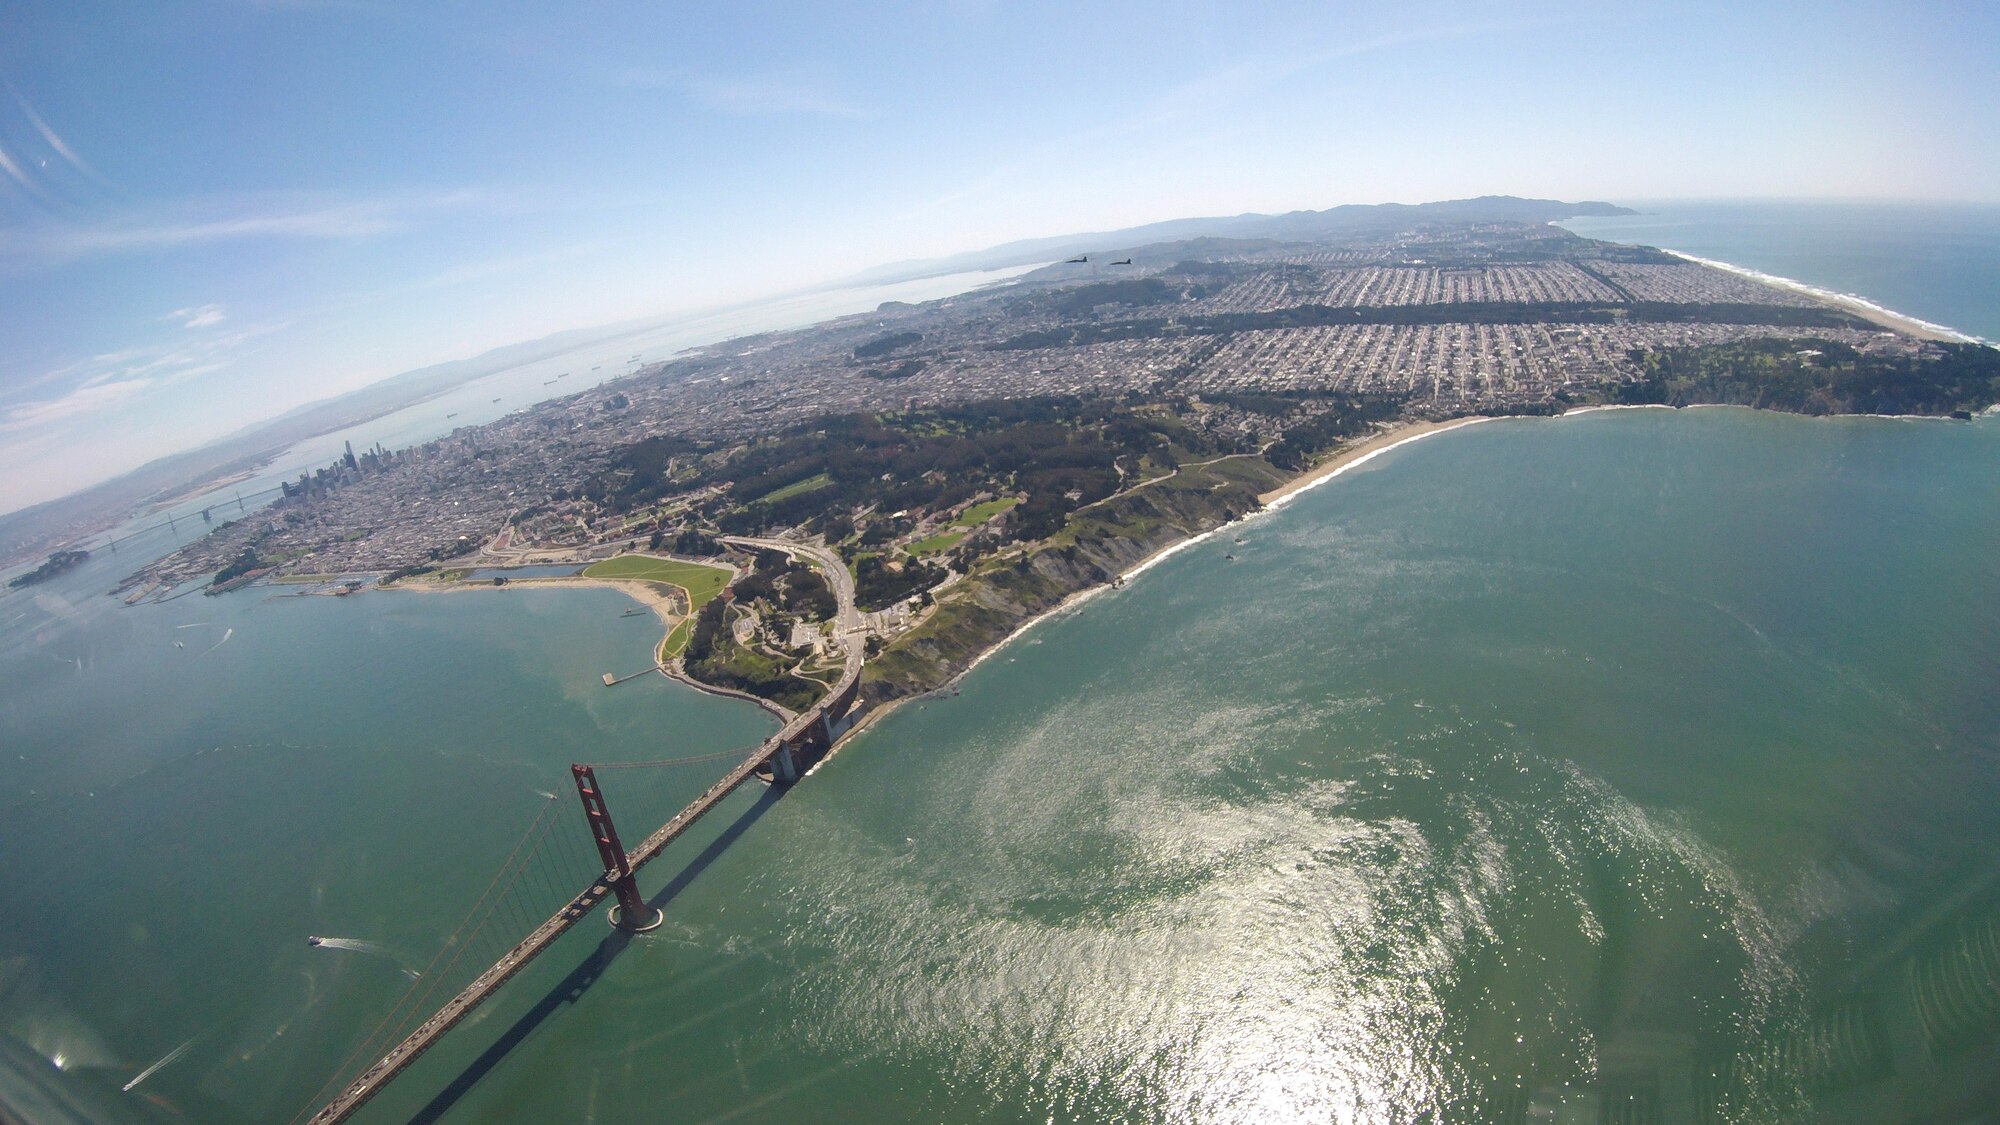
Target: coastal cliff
x=1099, y=544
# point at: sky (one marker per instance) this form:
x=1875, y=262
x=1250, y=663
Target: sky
x=214, y=211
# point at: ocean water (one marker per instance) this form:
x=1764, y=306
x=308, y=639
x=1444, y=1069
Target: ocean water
x=1939, y=262
x=1633, y=766
x=1636, y=765
x=1638, y=761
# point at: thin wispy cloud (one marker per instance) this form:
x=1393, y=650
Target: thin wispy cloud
x=108, y=380
x=201, y=316
x=39, y=163
x=81, y=401
x=749, y=96
x=362, y=221
x=17, y=172
x=55, y=142
x=197, y=223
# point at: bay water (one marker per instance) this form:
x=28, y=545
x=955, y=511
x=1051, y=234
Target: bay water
x=1636, y=765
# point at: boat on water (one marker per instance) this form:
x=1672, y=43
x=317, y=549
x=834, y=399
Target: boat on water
x=314, y=939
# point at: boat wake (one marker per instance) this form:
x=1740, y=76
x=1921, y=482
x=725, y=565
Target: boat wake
x=164, y=1061
x=358, y=945
x=226, y=634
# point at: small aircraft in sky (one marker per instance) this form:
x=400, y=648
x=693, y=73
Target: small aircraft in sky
x=1126, y=262
x=1074, y=261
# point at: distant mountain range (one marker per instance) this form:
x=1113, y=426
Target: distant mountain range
x=31, y=532
x=1344, y=221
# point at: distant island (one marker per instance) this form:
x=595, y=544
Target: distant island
x=57, y=563
x=978, y=460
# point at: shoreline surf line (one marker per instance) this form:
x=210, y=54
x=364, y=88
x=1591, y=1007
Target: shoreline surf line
x=1270, y=501
x=1860, y=306
x=1595, y=407
x=1359, y=455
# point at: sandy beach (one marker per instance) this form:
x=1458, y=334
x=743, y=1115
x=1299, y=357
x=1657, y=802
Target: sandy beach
x=1354, y=455
x=1317, y=475
x=1846, y=302
x=663, y=605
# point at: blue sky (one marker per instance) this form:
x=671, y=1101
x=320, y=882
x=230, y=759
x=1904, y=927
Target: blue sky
x=211, y=212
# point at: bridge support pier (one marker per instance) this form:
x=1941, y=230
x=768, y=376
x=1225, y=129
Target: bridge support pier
x=784, y=766
x=631, y=912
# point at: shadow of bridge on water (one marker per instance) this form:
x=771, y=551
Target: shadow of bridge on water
x=572, y=987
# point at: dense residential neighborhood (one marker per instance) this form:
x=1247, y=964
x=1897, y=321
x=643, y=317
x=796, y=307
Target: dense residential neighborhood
x=1247, y=346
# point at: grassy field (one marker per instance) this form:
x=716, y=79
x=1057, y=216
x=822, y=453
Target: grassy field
x=943, y=541
x=799, y=488
x=677, y=641
x=957, y=530
x=980, y=513
x=702, y=583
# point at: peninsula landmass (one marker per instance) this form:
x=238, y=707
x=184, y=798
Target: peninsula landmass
x=973, y=462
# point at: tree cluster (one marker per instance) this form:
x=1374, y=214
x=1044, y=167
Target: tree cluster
x=1469, y=312
x=1819, y=377
x=883, y=345
x=879, y=586
x=789, y=586
x=1059, y=451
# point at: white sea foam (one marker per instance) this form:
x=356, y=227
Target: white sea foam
x=1156, y=559
x=1825, y=294
x=1614, y=406
x=1364, y=459
x=354, y=945
x=165, y=1060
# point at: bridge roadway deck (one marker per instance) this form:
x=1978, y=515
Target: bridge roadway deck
x=371, y=1081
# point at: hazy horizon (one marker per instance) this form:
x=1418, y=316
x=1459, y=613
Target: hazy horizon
x=213, y=213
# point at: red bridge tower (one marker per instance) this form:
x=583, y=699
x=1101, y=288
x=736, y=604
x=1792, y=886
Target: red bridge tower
x=631, y=913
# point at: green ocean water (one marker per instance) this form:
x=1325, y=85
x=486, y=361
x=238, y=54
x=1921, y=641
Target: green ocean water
x=1633, y=766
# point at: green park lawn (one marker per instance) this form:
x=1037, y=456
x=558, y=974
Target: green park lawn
x=943, y=541
x=677, y=641
x=980, y=513
x=955, y=531
x=797, y=488
x=702, y=583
